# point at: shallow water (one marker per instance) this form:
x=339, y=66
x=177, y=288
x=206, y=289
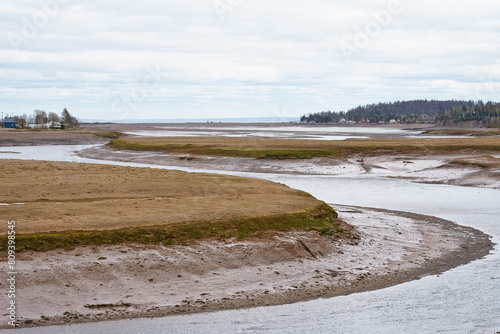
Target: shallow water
x=310, y=129
x=285, y=131
x=463, y=300
x=237, y=134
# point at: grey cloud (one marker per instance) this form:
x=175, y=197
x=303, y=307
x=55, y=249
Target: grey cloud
x=263, y=56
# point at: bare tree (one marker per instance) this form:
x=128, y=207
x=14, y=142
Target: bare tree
x=21, y=121
x=69, y=120
x=30, y=119
x=53, y=119
x=40, y=117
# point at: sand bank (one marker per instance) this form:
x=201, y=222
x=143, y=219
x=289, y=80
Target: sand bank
x=425, y=168
x=48, y=137
x=132, y=280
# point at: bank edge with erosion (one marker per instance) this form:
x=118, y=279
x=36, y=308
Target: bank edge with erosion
x=134, y=280
x=456, y=161
x=301, y=148
x=66, y=204
x=63, y=205
x=9, y=137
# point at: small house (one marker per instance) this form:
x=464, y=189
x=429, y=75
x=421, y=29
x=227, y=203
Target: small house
x=9, y=123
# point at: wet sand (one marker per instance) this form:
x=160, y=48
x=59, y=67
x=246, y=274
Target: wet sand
x=131, y=280
x=417, y=168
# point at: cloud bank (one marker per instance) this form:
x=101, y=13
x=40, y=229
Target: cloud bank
x=242, y=58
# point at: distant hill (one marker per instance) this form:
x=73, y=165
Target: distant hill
x=448, y=112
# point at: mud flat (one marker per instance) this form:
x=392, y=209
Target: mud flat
x=87, y=279
x=48, y=137
x=473, y=169
x=66, y=206
x=270, y=148
x=468, y=167
x=94, y=283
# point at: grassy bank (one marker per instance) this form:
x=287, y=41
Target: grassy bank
x=301, y=149
x=106, y=134
x=63, y=205
x=464, y=132
x=484, y=161
x=321, y=218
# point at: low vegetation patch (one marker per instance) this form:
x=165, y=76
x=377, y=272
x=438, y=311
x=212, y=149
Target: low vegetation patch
x=321, y=218
x=485, y=161
x=63, y=205
x=464, y=132
x=300, y=149
x=108, y=134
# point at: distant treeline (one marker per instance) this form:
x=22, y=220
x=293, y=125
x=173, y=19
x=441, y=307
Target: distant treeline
x=40, y=119
x=451, y=112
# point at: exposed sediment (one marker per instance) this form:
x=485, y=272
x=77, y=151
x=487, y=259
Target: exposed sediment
x=94, y=283
x=132, y=280
x=443, y=169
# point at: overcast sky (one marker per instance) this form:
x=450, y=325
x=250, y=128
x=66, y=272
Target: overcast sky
x=242, y=58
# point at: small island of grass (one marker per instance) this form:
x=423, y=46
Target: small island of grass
x=63, y=205
x=301, y=148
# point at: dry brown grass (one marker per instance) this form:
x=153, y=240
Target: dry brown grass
x=10, y=137
x=63, y=197
x=486, y=161
x=300, y=148
x=465, y=132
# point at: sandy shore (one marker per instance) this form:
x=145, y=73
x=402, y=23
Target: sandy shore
x=126, y=281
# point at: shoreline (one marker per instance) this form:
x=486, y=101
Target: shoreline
x=13, y=138
x=432, y=168
x=134, y=281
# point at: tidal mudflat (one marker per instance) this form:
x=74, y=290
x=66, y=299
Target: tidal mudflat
x=309, y=266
